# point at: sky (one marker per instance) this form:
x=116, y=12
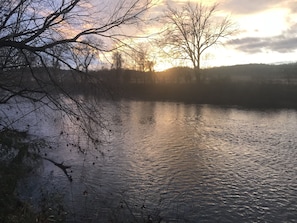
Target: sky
x=267, y=33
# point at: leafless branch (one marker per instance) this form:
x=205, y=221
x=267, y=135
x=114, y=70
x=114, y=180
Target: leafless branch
x=40, y=38
x=193, y=29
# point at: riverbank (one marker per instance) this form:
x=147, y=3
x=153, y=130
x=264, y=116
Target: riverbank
x=16, y=162
x=220, y=93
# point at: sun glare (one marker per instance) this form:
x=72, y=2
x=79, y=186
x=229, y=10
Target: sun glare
x=162, y=66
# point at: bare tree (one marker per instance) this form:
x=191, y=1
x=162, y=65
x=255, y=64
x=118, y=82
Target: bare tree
x=193, y=29
x=150, y=65
x=40, y=41
x=117, y=60
x=37, y=33
x=141, y=58
x=39, y=38
x=83, y=56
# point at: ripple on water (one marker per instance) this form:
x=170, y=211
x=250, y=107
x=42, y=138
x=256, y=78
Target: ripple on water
x=191, y=163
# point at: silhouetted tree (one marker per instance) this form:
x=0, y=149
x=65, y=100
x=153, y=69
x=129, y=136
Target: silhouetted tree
x=38, y=37
x=84, y=55
x=141, y=57
x=117, y=60
x=47, y=34
x=150, y=65
x=192, y=29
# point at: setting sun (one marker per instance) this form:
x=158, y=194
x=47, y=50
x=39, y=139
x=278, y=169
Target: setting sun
x=162, y=66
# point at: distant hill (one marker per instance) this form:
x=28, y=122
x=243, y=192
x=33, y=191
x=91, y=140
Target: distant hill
x=243, y=73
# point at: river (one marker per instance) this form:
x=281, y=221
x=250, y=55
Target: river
x=174, y=162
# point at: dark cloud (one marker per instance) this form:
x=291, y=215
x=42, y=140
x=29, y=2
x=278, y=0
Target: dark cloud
x=286, y=42
x=284, y=45
x=249, y=7
x=249, y=44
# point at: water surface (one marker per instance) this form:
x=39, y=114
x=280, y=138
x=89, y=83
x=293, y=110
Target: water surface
x=176, y=163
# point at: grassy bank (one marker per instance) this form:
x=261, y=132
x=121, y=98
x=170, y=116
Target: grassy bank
x=220, y=93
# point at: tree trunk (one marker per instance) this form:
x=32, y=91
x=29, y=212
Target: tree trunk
x=197, y=74
x=197, y=68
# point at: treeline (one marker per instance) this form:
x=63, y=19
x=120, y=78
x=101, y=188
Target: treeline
x=252, y=85
x=250, y=73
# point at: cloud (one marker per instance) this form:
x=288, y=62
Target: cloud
x=250, y=7
x=293, y=6
x=283, y=43
x=248, y=44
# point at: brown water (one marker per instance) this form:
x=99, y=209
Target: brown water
x=178, y=163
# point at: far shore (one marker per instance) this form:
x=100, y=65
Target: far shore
x=256, y=95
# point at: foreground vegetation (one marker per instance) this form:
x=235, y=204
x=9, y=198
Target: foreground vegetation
x=18, y=157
